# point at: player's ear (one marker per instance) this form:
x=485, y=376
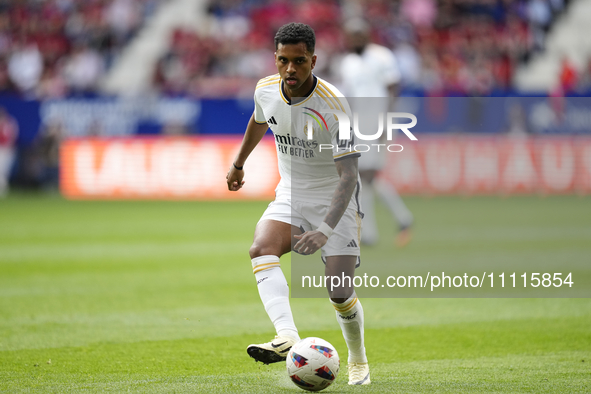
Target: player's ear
x=313, y=61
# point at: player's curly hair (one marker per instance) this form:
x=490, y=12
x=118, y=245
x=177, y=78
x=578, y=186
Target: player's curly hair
x=294, y=33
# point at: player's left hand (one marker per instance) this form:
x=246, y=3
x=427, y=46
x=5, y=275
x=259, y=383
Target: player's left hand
x=309, y=242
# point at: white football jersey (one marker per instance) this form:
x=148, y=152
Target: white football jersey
x=365, y=79
x=307, y=166
x=369, y=74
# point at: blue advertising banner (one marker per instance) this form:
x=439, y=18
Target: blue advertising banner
x=100, y=116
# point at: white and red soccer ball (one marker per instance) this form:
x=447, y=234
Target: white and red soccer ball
x=313, y=364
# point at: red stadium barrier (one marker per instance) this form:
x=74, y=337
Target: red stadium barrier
x=471, y=165
x=195, y=167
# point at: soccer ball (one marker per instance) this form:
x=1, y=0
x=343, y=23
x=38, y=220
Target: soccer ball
x=313, y=364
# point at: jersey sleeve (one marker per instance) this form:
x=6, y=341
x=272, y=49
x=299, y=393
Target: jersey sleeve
x=391, y=72
x=259, y=116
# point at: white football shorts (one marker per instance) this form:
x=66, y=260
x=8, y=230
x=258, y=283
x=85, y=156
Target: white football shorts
x=345, y=238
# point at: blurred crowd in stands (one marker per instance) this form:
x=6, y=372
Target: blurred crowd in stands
x=62, y=48
x=57, y=48
x=54, y=48
x=446, y=46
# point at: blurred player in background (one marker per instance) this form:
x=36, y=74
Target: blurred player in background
x=370, y=71
x=316, y=199
x=8, y=134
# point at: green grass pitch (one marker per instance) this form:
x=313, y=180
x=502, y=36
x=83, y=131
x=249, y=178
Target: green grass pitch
x=159, y=297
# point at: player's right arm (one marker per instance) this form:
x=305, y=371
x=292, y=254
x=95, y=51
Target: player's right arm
x=253, y=135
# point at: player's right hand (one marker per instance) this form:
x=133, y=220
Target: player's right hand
x=309, y=242
x=234, y=179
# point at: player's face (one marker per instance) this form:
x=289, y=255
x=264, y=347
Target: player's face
x=357, y=41
x=295, y=65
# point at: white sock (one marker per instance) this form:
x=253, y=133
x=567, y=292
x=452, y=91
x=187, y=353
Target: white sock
x=350, y=318
x=274, y=293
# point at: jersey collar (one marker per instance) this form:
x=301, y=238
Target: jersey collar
x=288, y=100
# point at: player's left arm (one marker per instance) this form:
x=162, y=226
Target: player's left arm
x=310, y=241
x=393, y=93
x=391, y=77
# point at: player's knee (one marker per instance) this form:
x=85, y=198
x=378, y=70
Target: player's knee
x=258, y=250
x=254, y=251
